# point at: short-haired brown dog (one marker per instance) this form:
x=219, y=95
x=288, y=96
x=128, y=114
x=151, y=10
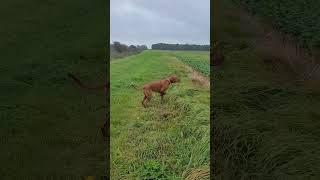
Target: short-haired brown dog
x=105, y=87
x=159, y=87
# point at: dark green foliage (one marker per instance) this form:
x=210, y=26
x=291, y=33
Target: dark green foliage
x=120, y=47
x=266, y=126
x=198, y=65
x=198, y=60
x=153, y=170
x=47, y=124
x=300, y=18
x=192, y=47
x=119, y=50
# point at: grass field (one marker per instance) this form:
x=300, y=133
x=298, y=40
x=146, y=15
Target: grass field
x=165, y=140
x=199, y=61
x=267, y=122
x=47, y=124
x=295, y=17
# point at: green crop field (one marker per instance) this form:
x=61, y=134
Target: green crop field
x=199, y=61
x=298, y=18
x=163, y=141
x=47, y=124
x=267, y=122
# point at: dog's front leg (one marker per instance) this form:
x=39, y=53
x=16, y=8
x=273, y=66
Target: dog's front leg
x=162, y=94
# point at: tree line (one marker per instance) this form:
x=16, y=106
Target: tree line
x=189, y=47
x=123, y=48
x=120, y=50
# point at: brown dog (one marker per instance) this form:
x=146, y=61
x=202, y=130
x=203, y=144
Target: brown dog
x=159, y=87
x=105, y=87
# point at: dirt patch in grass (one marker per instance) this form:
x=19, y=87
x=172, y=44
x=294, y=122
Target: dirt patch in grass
x=195, y=76
x=166, y=114
x=198, y=78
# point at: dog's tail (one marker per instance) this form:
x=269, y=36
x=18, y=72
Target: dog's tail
x=80, y=84
x=136, y=87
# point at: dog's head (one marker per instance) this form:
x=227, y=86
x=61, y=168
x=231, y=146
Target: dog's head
x=174, y=79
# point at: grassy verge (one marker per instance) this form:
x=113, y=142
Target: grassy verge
x=164, y=140
x=47, y=124
x=266, y=124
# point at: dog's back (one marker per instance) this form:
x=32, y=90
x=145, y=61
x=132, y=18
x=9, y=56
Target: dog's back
x=157, y=86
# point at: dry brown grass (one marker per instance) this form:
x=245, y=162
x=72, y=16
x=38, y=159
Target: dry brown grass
x=279, y=50
x=198, y=78
x=197, y=174
x=284, y=53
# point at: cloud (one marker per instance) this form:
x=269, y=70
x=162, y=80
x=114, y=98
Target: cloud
x=154, y=21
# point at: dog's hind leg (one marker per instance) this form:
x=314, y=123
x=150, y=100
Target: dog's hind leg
x=143, y=101
x=147, y=97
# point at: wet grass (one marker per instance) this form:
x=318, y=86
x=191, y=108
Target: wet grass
x=165, y=140
x=47, y=124
x=266, y=124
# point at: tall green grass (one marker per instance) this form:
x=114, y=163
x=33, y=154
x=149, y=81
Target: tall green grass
x=266, y=125
x=164, y=140
x=47, y=124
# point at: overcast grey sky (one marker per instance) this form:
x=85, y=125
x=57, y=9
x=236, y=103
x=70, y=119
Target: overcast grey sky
x=153, y=21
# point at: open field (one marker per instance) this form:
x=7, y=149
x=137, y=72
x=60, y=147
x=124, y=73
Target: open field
x=267, y=122
x=199, y=61
x=163, y=141
x=296, y=17
x=47, y=124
